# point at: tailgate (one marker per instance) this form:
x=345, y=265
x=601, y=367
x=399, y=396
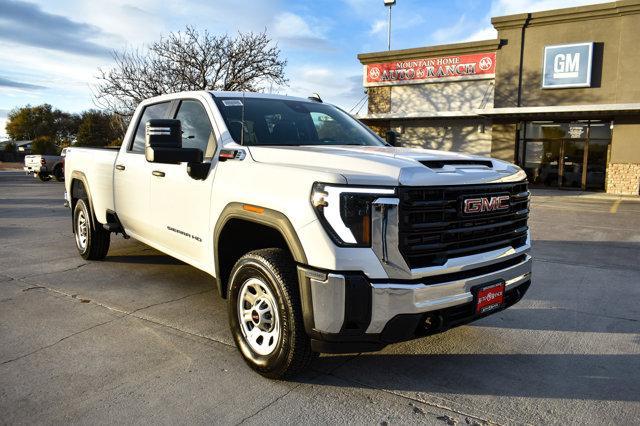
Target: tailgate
x=32, y=161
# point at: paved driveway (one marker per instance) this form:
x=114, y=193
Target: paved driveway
x=141, y=338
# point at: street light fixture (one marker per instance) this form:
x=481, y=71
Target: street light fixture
x=389, y=4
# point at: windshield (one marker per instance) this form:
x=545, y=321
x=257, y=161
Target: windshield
x=284, y=122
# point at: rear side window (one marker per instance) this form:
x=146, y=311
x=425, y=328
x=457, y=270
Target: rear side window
x=150, y=112
x=196, y=127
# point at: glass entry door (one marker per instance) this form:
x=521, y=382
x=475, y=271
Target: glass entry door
x=572, y=165
x=569, y=155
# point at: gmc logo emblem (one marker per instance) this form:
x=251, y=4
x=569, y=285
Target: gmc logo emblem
x=485, y=204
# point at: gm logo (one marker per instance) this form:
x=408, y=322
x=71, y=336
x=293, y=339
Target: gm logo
x=567, y=65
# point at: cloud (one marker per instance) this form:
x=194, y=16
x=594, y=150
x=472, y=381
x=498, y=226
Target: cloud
x=486, y=33
x=453, y=32
x=508, y=7
x=27, y=24
x=294, y=31
x=3, y=123
x=5, y=82
x=378, y=26
x=336, y=85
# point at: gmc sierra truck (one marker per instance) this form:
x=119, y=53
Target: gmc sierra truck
x=321, y=236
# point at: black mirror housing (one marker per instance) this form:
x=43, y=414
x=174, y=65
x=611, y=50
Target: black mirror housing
x=199, y=170
x=173, y=155
x=163, y=143
x=392, y=138
x=163, y=133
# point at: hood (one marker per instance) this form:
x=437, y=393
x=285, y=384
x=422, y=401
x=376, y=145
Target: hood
x=381, y=165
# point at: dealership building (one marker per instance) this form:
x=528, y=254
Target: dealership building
x=558, y=92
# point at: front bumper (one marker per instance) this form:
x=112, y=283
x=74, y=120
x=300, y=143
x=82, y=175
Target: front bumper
x=347, y=312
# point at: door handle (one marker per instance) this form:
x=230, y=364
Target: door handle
x=157, y=173
x=120, y=167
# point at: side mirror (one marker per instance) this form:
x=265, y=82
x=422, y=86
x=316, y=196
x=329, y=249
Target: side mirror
x=163, y=143
x=392, y=138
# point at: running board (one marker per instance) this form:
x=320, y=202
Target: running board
x=114, y=225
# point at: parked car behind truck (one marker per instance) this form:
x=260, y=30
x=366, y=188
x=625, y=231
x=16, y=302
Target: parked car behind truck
x=45, y=167
x=322, y=237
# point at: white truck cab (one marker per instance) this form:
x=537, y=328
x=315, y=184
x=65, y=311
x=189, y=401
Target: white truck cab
x=322, y=236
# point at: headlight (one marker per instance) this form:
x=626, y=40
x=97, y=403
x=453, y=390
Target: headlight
x=345, y=211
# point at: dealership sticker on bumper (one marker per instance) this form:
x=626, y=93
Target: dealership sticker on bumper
x=489, y=298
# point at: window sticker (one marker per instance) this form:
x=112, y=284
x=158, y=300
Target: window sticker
x=232, y=102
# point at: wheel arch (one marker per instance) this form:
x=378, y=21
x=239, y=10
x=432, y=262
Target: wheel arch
x=79, y=188
x=266, y=224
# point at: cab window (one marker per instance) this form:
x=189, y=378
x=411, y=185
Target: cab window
x=150, y=112
x=196, y=127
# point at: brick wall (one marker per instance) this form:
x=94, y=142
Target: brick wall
x=623, y=179
x=379, y=100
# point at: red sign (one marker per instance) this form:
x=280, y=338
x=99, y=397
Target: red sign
x=460, y=67
x=490, y=298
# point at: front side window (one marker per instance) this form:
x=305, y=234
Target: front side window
x=150, y=112
x=283, y=122
x=196, y=127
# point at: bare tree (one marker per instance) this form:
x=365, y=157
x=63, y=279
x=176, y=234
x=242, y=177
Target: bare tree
x=189, y=60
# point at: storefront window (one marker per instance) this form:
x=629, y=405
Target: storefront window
x=565, y=154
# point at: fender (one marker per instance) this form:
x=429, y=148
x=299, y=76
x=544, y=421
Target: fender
x=77, y=175
x=268, y=217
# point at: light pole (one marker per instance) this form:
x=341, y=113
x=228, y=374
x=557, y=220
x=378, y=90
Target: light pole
x=389, y=4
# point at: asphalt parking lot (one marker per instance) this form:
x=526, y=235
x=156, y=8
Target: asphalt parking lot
x=142, y=338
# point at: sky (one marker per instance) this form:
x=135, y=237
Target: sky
x=50, y=50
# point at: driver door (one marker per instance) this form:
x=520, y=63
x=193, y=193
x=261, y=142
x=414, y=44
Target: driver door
x=180, y=204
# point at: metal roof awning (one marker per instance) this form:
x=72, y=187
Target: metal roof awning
x=419, y=115
x=589, y=110
x=562, y=110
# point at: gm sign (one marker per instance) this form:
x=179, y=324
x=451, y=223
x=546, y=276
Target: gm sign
x=567, y=65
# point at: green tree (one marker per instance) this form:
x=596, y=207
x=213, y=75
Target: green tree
x=10, y=147
x=30, y=122
x=95, y=129
x=44, y=145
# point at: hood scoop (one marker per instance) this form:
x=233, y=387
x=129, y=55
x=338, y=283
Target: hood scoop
x=441, y=164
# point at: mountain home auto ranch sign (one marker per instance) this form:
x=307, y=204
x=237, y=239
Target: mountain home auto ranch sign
x=429, y=70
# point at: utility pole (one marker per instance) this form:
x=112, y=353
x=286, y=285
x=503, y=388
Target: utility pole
x=389, y=4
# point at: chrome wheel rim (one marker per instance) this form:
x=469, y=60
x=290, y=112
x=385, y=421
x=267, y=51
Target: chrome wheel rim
x=258, y=316
x=82, y=231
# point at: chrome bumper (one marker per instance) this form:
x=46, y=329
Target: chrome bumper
x=391, y=299
x=325, y=302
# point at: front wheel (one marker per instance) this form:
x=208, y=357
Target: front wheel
x=92, y=242
x=265, y=314
x=44, y=177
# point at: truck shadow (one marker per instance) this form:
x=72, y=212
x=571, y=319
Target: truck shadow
x=604, y=377
x=149, y=259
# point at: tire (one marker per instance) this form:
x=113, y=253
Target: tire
x=92, y=243
x=58, y=174
x=44, y=177
x=263, y=286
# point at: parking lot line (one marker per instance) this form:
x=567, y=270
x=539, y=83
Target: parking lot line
x=614, y=206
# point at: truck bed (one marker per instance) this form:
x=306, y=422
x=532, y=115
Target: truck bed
x=96, y=165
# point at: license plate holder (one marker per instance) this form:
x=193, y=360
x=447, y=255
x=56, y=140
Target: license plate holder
x=489, y=297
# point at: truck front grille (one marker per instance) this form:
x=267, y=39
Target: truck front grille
x=433, y=227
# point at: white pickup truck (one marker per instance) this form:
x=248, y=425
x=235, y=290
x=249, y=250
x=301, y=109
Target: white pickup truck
x=46, y=166
x=322, y=236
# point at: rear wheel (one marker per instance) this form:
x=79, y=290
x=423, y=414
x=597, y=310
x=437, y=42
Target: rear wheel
x=58, y=173
x=92, y=243
x=44, y=177
x=265, y=314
